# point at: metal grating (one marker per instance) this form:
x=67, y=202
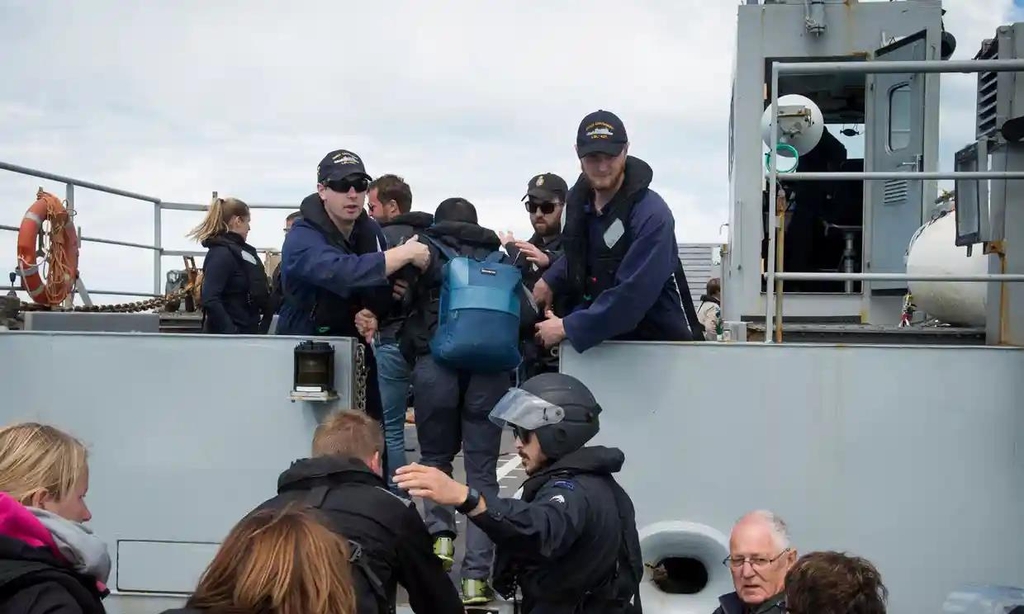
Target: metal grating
x=698, y=263
x=988, y=83
x=896, y=191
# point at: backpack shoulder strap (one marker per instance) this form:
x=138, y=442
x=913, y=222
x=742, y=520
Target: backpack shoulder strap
x=357, y=559
x=317, y=495
x=683, y=287
x=445, y=250
x=630, y=556
x=316, y=498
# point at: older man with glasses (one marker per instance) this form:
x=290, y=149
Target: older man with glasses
x=759, y=557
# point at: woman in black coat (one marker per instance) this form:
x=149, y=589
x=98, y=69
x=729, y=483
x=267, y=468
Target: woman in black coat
x=235, y=293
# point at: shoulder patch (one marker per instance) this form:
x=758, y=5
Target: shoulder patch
x=566, y=484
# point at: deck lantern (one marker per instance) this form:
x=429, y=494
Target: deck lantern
x=313, y=378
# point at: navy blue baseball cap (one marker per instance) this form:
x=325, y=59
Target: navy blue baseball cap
x=601, y=132
x=339, y=164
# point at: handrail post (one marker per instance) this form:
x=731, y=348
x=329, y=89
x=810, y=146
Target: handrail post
x=781, y=205
x=773, y=155
x=158, y=244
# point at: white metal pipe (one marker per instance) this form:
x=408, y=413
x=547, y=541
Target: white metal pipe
x=198, y=207
x=121, y=243
x=909, y=176
x=95, y=292
x=901, y=66
x=793, y=276
x=14, y=168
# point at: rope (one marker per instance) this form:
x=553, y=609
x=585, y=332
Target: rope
x=59, y=274
x=786, y=147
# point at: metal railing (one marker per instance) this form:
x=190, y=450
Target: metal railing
x=158, y=206
x=775, y=221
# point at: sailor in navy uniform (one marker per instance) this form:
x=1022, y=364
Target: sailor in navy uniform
x=571, y=542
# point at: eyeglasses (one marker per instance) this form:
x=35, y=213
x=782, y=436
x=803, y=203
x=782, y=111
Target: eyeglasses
x=545, y=208
x=757, y=562
x=345, y=184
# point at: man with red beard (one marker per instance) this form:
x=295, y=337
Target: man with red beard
x=620, y=276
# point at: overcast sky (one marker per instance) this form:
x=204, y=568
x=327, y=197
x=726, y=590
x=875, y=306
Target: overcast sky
x=178, y=99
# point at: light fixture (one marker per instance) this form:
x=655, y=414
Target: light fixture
x=313, y=377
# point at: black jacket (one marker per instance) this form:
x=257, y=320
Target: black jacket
x=235, y=292
x=34, y=581
x=276, y=293
x=564, y=537
x=537, y=359
x=730, y=603
x=397, y=231
x=422, y=301
x=553, y=248
x=394, y=540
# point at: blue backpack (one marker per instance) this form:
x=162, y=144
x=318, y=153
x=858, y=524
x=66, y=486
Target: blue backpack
x=478, y=315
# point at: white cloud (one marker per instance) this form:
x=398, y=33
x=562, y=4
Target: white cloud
x=176, y=100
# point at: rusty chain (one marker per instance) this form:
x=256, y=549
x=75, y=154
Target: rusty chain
x=136, y=307
x=360, y=373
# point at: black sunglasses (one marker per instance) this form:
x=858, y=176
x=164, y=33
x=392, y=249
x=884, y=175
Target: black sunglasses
x=345, y=184
x=545, y=208
x=521, y=434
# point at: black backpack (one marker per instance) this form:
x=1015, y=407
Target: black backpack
x=368, y=583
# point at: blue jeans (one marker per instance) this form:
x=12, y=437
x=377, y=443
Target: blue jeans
x=393, y=377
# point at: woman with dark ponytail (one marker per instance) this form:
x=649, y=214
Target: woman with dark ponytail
x=235, y=291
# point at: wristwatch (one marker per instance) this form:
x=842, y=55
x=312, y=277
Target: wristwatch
x=472, y=500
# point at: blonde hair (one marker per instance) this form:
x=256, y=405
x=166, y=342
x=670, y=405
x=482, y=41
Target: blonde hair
x=38, y=457
x=218, y=215
x=279, y=562
x=348, y=433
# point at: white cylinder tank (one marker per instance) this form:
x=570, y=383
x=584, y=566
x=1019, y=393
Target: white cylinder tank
x=933, y=251
x=689, y=556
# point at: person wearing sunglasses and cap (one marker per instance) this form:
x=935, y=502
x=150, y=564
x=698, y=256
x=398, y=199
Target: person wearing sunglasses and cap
x=570, y=542
x=545, y=200
x=334, y=260
x=335, y=263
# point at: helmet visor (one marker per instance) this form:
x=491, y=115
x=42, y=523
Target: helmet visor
x=525, y=410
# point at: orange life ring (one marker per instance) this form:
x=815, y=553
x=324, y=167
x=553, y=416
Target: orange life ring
x=62, y=259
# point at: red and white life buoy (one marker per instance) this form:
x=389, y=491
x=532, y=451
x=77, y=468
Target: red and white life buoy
x=62, y=258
